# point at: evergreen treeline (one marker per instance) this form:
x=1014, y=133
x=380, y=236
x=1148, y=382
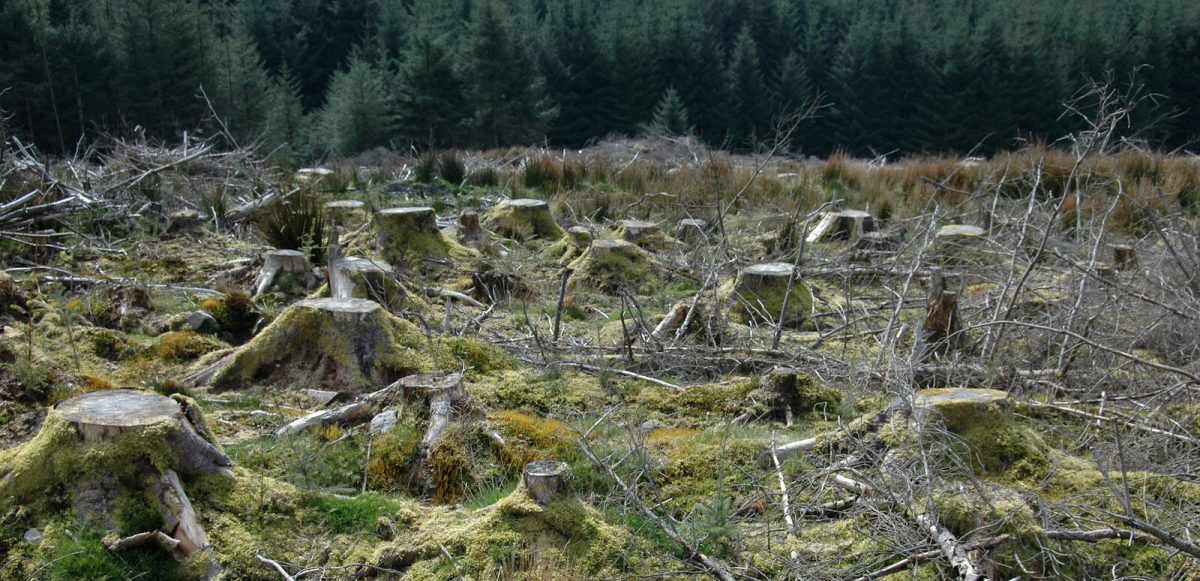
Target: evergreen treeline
x=342, y=76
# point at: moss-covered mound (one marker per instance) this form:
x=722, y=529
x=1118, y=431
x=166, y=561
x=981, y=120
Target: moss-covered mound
x=571, y=246
x=986, y=431
x=407, y=236
x=512, y=538
x=337, y=344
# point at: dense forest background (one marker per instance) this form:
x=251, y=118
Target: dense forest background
x=311, y=77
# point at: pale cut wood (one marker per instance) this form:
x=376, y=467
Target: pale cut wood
x=277, y=263
x=841, y=225
x=443, y=391
x=543, y=480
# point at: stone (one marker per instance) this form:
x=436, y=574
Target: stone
x=204, y=323
x=33, y=536
x=383, y=422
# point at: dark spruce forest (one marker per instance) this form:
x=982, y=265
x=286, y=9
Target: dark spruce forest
x=308, y=78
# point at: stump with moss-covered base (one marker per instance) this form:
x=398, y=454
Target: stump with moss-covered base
x=611, y=265
x=105, y=444
x=759, y=295
x=285, y=269
x=347, y=212
x=409, y=236
x=571, y=246
x=544, y=479
x=344, y=345
x=522, y=219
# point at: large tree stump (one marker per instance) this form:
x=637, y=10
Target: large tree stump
x=759, y=294
x=103, y=415
x=943, y=333
x=841, y=225
x=691, y=230
x=409, y=235
x=543, y=479
x=344, y=345
x=523, y=219
x=288, y=269
x=101, y=443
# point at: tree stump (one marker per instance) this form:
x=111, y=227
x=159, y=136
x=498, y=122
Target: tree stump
x=347, y=212
x=363, y=278
x=571, y=246
x=103, y=415
x=442, y=391
x=841, y=225
x=959, y=233
x=691, y=230
x=469, y=231
x=184, y=222
x=409, y=235
x=943, y=333
x=963, y=409
x=522, y=219
x=759, y=292
x=543, y=479
x=877, y=241
x=344, y=345
x=101, y=443
x=611, y=265
x=288, y=269
x=580, y=236
x=1123, y=257
x=640, y=232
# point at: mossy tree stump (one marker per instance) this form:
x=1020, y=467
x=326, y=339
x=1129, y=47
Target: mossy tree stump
x=442, y=391
x=347, y=212
x=612, y=265
x=543, y=479
x=522, y=219
x=759, y=295
x=107, y=443
x=691, y=230
x=411, y=234
x=642, y=233
x=287, y=269
x=470, y=230
x=943, y=332
x=571, y=246
x=1123, y=257
x=344, y=345
x=986, y=430
x=842, y=225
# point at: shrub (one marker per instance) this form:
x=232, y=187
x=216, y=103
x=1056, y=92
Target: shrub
x=426, y=168
x=235, y=312
x=451, y=168
x=298, y=223
x=184, y=345
x=484, y=177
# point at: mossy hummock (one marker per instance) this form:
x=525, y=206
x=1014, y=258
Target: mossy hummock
x=523, y=219
x=571, y=246
x=345, y=345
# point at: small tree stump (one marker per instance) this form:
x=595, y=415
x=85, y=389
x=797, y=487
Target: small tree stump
x=963, y=409
x=960, y=233
x=639, y=232
x=580, y=236
x=943, y=333
x=363, y=278
x=1123, y=257
x=842, y=225
x=522, y=219
x=877, y=241
x=285, y=268
x=184, y=222
x=344, y=345
x=443, y=391
x=543, y=480
x=691, y=230
x=760, y=290
x=347, y=212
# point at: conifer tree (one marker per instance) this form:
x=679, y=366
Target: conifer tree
x=670, y=116
x=751, y=109
x=508, y=93
x=240, y=84
x=288, y=126
x=432, y=100
x=358, y=113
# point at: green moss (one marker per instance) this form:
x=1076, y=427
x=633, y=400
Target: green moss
x=529, y=437
x=537, y=391
x=988, y=434
x=391, y=455
x=478, y=357
x=407, y=246
x=996, y=510
x=695, y=404
x=353, y=514
x=236, y=312
x=624, y=267
x=185, y=345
